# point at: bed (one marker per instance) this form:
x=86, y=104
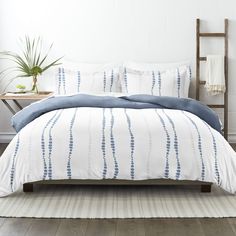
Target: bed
x=118, y=139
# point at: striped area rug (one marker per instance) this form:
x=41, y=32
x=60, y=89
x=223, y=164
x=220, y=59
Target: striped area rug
x=118, y=202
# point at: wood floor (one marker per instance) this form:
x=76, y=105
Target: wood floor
x=117, y=227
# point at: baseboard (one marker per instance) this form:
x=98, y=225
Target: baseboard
x=7, y=137
x=232, y=137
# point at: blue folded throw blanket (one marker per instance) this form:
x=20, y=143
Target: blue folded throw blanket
x=28, y=114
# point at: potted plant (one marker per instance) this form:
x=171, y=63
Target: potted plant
x=21, y=88
x=31, y=62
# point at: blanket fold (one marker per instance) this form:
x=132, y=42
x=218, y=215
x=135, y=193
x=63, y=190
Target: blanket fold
x=28, y=114
x=215, y=77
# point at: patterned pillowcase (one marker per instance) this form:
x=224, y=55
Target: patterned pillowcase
x=70, y=80
x=145, y=66
x=170, y=82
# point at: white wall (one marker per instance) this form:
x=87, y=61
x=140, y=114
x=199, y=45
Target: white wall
x=120, y=30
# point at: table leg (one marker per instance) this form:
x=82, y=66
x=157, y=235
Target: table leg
x=9, y=107
x=17, y=104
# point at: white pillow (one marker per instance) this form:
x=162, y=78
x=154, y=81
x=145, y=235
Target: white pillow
x=170, y=82
x=87, y=78
x=143, y=66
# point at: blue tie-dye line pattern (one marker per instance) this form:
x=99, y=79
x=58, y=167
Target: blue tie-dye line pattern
x=71, y=145
x=103, y=146
x=59, y=81
x=78, y=81
x=64, y=80
x=13, y=168
x=131, y=144
x=168, y=144
x=189, y=73
x=112, y=80
x=178, y=82
x=125, y=80
x=50, y=145
x=43, y=145
x=217, y=173
x=116, y=172
x=104, y=82
x=176, y=146
x=199, y=144
x=159, y=83
x=153, y=81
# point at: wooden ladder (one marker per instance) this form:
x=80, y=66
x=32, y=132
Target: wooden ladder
x=199, y=58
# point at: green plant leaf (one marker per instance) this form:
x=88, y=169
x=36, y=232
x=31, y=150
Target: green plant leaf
x=54, y=63
x=30, y=61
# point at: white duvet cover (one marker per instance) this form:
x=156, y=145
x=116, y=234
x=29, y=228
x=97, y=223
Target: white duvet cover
x=116, y=143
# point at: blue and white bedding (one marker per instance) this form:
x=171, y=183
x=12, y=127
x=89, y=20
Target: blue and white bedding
x=148, y=138
x=87, y=78
x=172, y=82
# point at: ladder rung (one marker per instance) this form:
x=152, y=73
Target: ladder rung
x=216, y=106
x=212, y=34
x=202, y=58
x=202, y=82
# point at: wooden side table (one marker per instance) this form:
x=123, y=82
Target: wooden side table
x=5, y=98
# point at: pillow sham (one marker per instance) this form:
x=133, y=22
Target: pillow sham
x=169, y=82
x=144, y=66
x=87, y=78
